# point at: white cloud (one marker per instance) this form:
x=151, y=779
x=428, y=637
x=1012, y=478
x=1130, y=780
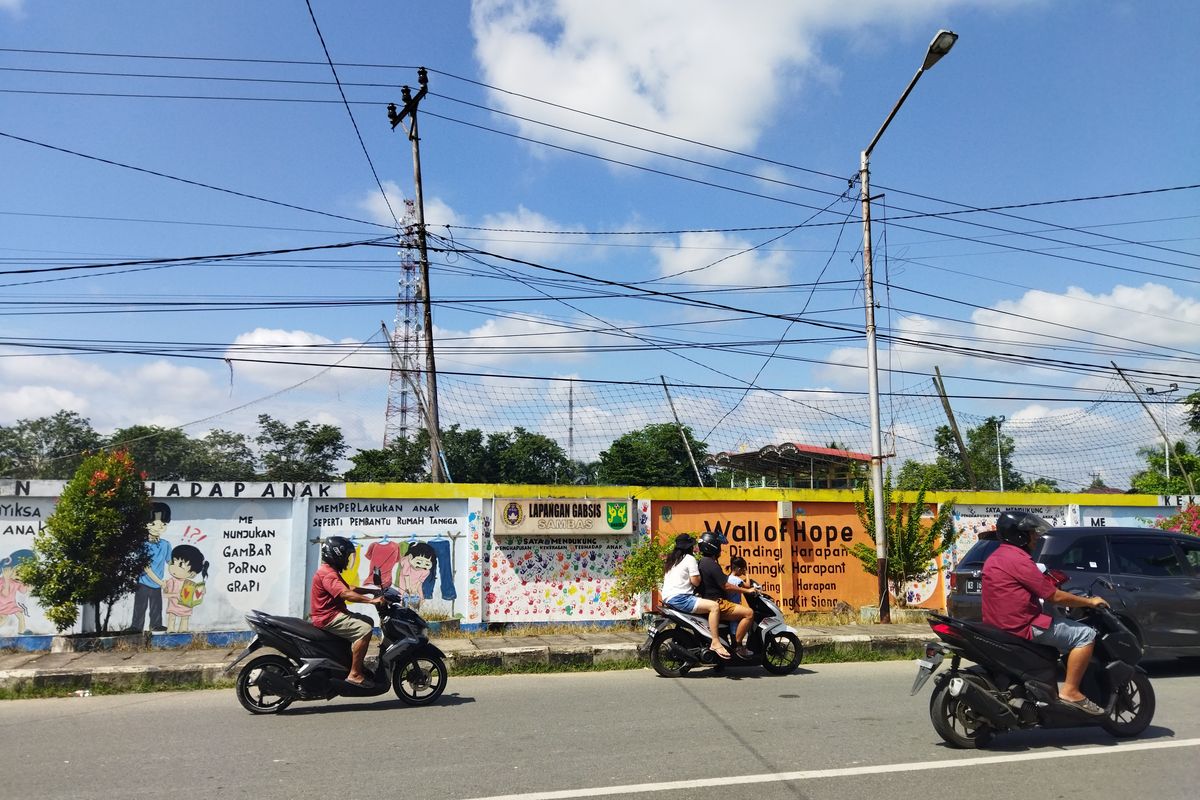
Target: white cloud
x=663, y=65
x=722, y=260
x=297, y=356
x=31, y=402
x=506, y=340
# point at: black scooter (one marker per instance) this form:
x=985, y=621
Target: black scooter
x=312, y=664
x=1013, y=683
x=676, y=642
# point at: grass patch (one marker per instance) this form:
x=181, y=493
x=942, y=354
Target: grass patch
x=27, y=692
x=838, y=654
x=483, y=668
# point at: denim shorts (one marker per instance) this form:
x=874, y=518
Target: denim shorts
x=682, y=602
x=1065, y=634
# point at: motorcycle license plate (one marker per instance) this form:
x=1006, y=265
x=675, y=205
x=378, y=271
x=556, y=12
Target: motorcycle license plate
x=925, y=667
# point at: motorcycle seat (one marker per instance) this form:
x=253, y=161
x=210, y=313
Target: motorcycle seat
x=301, y=628
x=992, y=632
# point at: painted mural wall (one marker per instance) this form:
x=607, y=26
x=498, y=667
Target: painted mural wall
x=553, y=560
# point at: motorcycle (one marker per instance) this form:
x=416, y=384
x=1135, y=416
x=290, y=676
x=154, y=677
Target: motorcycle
x=1013, y=683
x=676, y=642
x=312, y=664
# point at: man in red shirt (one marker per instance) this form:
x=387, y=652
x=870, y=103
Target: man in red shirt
x=330, y=593
x=1012, y=587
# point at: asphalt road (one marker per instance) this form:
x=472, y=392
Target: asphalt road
x=830, y=731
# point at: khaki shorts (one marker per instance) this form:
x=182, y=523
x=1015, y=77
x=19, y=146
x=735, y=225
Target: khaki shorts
x=729, y=608
x=350, y=626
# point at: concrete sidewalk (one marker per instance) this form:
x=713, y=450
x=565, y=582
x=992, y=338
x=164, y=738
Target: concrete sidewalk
x=193, y=667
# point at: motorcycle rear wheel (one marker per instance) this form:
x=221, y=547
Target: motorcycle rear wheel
x=420, y=680
x=1134, y=708
x=665, y=662
x=955, y=722
x=252, y=696
x=782, y=653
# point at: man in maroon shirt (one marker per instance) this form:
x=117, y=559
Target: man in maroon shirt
x=330, y=593
x=1012, y=587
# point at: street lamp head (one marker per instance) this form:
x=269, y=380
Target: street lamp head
x=941, y=44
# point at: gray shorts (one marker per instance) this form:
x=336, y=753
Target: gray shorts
x=1065, y=634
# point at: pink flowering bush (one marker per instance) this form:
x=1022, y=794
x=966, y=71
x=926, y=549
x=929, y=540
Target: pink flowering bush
x=1186, y=520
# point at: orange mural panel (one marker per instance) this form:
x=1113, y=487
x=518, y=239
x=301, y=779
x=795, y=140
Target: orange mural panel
x=803, y=561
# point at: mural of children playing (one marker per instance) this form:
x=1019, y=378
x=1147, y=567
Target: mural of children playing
x=10, y=604
x=181, y=589
x=415, y=566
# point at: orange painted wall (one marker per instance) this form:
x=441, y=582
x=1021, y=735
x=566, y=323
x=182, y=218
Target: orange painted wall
x=807, y=567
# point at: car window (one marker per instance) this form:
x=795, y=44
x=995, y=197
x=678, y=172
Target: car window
x=1191, y=554
x=1083, y=554
x=979, y=552
x=1145, y=556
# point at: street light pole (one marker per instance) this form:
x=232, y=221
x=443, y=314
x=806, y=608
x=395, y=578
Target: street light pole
x=940, y=45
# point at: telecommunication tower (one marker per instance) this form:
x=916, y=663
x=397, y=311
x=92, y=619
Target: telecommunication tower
x=405, y=374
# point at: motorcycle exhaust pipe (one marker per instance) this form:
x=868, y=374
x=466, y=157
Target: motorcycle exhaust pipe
x=983, y=703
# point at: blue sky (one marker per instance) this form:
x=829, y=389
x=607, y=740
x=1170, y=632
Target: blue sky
x=771, y=102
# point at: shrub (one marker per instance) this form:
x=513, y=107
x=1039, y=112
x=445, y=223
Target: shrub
x=92, y=548
x=1185, y=520
x=641, y=571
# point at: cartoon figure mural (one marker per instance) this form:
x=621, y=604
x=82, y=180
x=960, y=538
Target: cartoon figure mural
x=149, y=592
x=383, y=555
x=416, y=565
x=13, y=592
x=182, y=591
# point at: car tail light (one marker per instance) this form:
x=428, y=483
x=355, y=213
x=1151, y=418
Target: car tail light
x=953, y=581
x=1058, y=576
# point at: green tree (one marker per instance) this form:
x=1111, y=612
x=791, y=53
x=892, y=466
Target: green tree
x=223, y=456
x=641, y=572
x=404, y=460
x=949, y=470
x=164, y=454
x=912, y=546
x=654, y=456
x=299, y=452
x=92, y=548
x=466, y=455
x=524, y=457
x=46, y=447
x=1153, y=479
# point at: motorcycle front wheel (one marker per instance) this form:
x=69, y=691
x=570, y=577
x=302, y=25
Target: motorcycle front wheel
x=782, y=653
x=420, y=680
x=955, y=722
x=664, y=659
x=1134, y=708
x=253, y=696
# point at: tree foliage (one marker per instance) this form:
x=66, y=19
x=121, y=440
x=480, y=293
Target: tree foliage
x=1153, y=479
x=949, y=470
x=300, y=452
x=48, y=448
x=641, y=572
x=912, y=546
x=92, y=548
x=654, y=456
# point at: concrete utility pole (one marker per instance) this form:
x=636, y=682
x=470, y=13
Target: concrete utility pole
x=941, y=44
x=411, y=102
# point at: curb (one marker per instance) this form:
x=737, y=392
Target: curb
x=210, y=673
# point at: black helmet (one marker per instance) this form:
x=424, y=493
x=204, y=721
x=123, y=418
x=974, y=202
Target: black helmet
x=1020, y=527
x=336, y=552
x=710, y=544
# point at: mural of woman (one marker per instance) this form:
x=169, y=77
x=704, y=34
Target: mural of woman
x=415, y=566
x=10, y=587
x=181, y=589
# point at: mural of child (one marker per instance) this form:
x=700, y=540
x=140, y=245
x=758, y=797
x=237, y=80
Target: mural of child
x=10, y=587
x=415, y=566
x=148, y=594
x=181, y=589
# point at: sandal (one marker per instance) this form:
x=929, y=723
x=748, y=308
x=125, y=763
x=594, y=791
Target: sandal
x=721, y=654
x=1085, y=705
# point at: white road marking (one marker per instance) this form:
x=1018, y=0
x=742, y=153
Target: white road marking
x=844, y=772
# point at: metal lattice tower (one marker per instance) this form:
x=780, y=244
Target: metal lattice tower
x=405, y=375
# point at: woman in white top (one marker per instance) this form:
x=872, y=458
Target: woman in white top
x=681, y=576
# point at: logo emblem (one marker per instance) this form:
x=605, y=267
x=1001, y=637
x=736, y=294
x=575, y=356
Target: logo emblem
x=617, y=515
x=513, y=515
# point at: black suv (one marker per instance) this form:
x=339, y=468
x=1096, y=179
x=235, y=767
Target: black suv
x=1155, y=575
